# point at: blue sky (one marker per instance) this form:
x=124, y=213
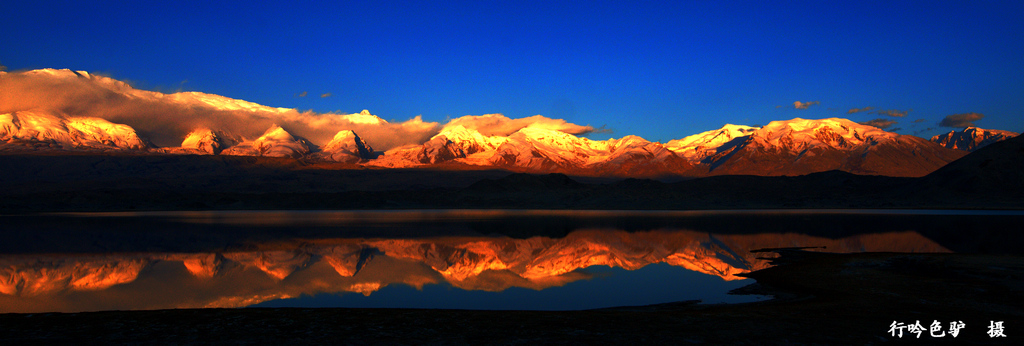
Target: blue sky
x=661, y=70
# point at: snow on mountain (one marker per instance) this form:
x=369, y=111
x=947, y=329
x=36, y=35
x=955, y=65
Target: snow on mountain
x=452, y=144
x=276, y=142
x=470, y=141
x=346, y=147
x=364, y=117
x=545, y=150
x=802, y=146
x=971, y=138
x=538, y=149
x=697, y=147
x=203, y=140
x=633, y=156
x=796, y=146
x=167, y=118
x=68, y=132
x=797, y=135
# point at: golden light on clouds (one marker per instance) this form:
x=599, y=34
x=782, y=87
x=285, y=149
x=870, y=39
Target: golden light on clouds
x=166, y=119
x=804, y=105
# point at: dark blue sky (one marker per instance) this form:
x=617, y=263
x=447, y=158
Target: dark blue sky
x=661, y=70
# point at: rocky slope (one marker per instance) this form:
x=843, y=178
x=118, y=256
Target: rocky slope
x=802, y=146
x=971, y=138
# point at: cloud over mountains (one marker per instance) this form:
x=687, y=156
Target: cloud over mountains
x=67, y=109
x=165, y=119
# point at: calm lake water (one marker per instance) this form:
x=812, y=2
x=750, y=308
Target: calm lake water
x=535, y=260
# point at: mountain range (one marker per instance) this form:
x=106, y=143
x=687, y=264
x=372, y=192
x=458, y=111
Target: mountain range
x=971, y=138
x=786, y=147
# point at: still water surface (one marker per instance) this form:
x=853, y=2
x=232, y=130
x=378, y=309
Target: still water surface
x=536, y=260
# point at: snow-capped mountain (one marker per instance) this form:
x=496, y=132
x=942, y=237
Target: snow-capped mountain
x=697, y=147
x=203, y=140
x=971, y=138
x=346, y=147
x=166, y=119
x=364, y=117
x=537, y=149
x=791, y=147
x=802, y=146
x=546, y=150
x=452, y=144
x=36, y=127
x=276, y=142
x=455, y=144
x=214, y=124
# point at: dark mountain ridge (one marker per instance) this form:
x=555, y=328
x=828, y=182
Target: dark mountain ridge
x=989, y=178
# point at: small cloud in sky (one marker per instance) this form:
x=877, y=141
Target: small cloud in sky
x=923, y=131
x=879, y=123
x=804, y=105
x=778, y=106
x=602, y=129
x=918, y=121
x=325, y=95
x=895, y=129
x=893, y=113
x=960, y=120
x=858, y=110
x=181, y=86
x=303, y=94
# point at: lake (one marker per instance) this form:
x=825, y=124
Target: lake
x=447, y=259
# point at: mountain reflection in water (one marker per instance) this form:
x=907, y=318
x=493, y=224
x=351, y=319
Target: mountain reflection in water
x=292, y=268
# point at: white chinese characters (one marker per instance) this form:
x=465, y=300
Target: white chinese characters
x=896, y=329
x=995, y=329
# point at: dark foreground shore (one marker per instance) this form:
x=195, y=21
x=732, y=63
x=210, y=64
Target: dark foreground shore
x=821, y=298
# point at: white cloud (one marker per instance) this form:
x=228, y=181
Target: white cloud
x=165, y=119
x=500, y=125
